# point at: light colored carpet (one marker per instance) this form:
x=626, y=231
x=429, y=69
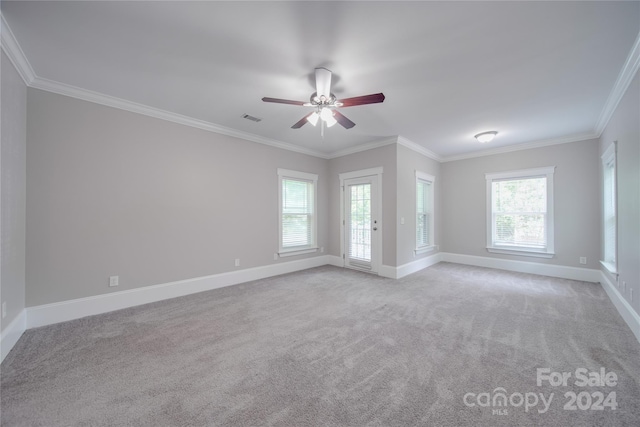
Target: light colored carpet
x=332, y=347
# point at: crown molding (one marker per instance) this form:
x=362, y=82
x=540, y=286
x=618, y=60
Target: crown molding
x=524, y=146
x=123, y=104
x=419, y=149
x=15, y=54
x=19, y=60
x=625, y=77
x=387, y=141
x=362, y=147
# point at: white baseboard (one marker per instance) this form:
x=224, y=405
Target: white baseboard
x=561, y=271
x=12, y=334
x=387, y=271
x=417, y=265
x=63, y=311
x=335, y=260
x=410, y=267
x=622, y=305
x=74, y=309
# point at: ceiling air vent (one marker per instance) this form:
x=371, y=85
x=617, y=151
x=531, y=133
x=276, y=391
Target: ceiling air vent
x=253, y=119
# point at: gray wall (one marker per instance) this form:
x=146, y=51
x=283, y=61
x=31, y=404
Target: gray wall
x=576, y=201
x=111, y=192
x=624, y=127
x=13, y=157
x=386, y=158
x=408, y=162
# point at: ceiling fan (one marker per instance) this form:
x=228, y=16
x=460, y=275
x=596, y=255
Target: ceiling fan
x=325, y=103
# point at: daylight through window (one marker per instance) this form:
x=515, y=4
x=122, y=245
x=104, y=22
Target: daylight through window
x=609, y=211
x=297, y=211
x=520, y=211
x=424, y=211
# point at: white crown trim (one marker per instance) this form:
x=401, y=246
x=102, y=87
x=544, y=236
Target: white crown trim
x=387, y=141
x=110, y=101
x=523, y=146
x=15, y=54
x=362, y=147
x=625, y=78
x=419, y=149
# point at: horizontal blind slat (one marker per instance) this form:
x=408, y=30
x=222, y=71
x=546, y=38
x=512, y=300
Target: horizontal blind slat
x=297, y=213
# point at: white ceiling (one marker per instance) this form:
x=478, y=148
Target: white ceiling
x=533, y=71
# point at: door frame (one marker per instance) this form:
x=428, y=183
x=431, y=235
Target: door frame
x=376, y=238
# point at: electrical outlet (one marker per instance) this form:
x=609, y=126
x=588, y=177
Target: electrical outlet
x=583, y=260
x=4, y=309
x=322, y=249
x=113, y=281
x=402, y=221
x=275, y=256
x=237, y=262
x=631, y=294
x=624, y=286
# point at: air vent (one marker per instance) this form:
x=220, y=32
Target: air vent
x=253, y=119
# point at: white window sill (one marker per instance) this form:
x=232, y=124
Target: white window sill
x=425, y=249
x=520, y=251
x=294, y=252
x=611, y=267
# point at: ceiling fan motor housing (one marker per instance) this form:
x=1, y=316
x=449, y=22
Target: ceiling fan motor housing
x=322, y=101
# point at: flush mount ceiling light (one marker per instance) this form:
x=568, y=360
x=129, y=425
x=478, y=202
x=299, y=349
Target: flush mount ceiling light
x=486, y=136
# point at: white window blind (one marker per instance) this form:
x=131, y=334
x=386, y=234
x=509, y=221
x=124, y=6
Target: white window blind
x=520, y=212
x=297, y=211
x=609, y=211
x=424, y=212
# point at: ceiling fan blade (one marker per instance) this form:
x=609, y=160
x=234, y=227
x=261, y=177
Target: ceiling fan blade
x=323, y=82
x=362, y=100
x=282, y=101
x=345, y=122
x=301, y=122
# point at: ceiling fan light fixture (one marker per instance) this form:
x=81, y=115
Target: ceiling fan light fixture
x=484, y=137
x=326, y=114
x=330, y=121
x=325, y=103
x=313, y=118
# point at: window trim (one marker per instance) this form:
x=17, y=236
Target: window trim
x=547, y=172
x=300, y=176
x=430, y=246
x=609, y=156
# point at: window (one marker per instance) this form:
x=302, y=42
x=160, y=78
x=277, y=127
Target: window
x=609, y=211
x=424, y=213
x=297, y=212
x=520, y=212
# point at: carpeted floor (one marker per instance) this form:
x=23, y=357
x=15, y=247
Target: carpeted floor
x=334, y=347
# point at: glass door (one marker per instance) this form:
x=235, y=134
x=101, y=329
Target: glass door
x=360, y=225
